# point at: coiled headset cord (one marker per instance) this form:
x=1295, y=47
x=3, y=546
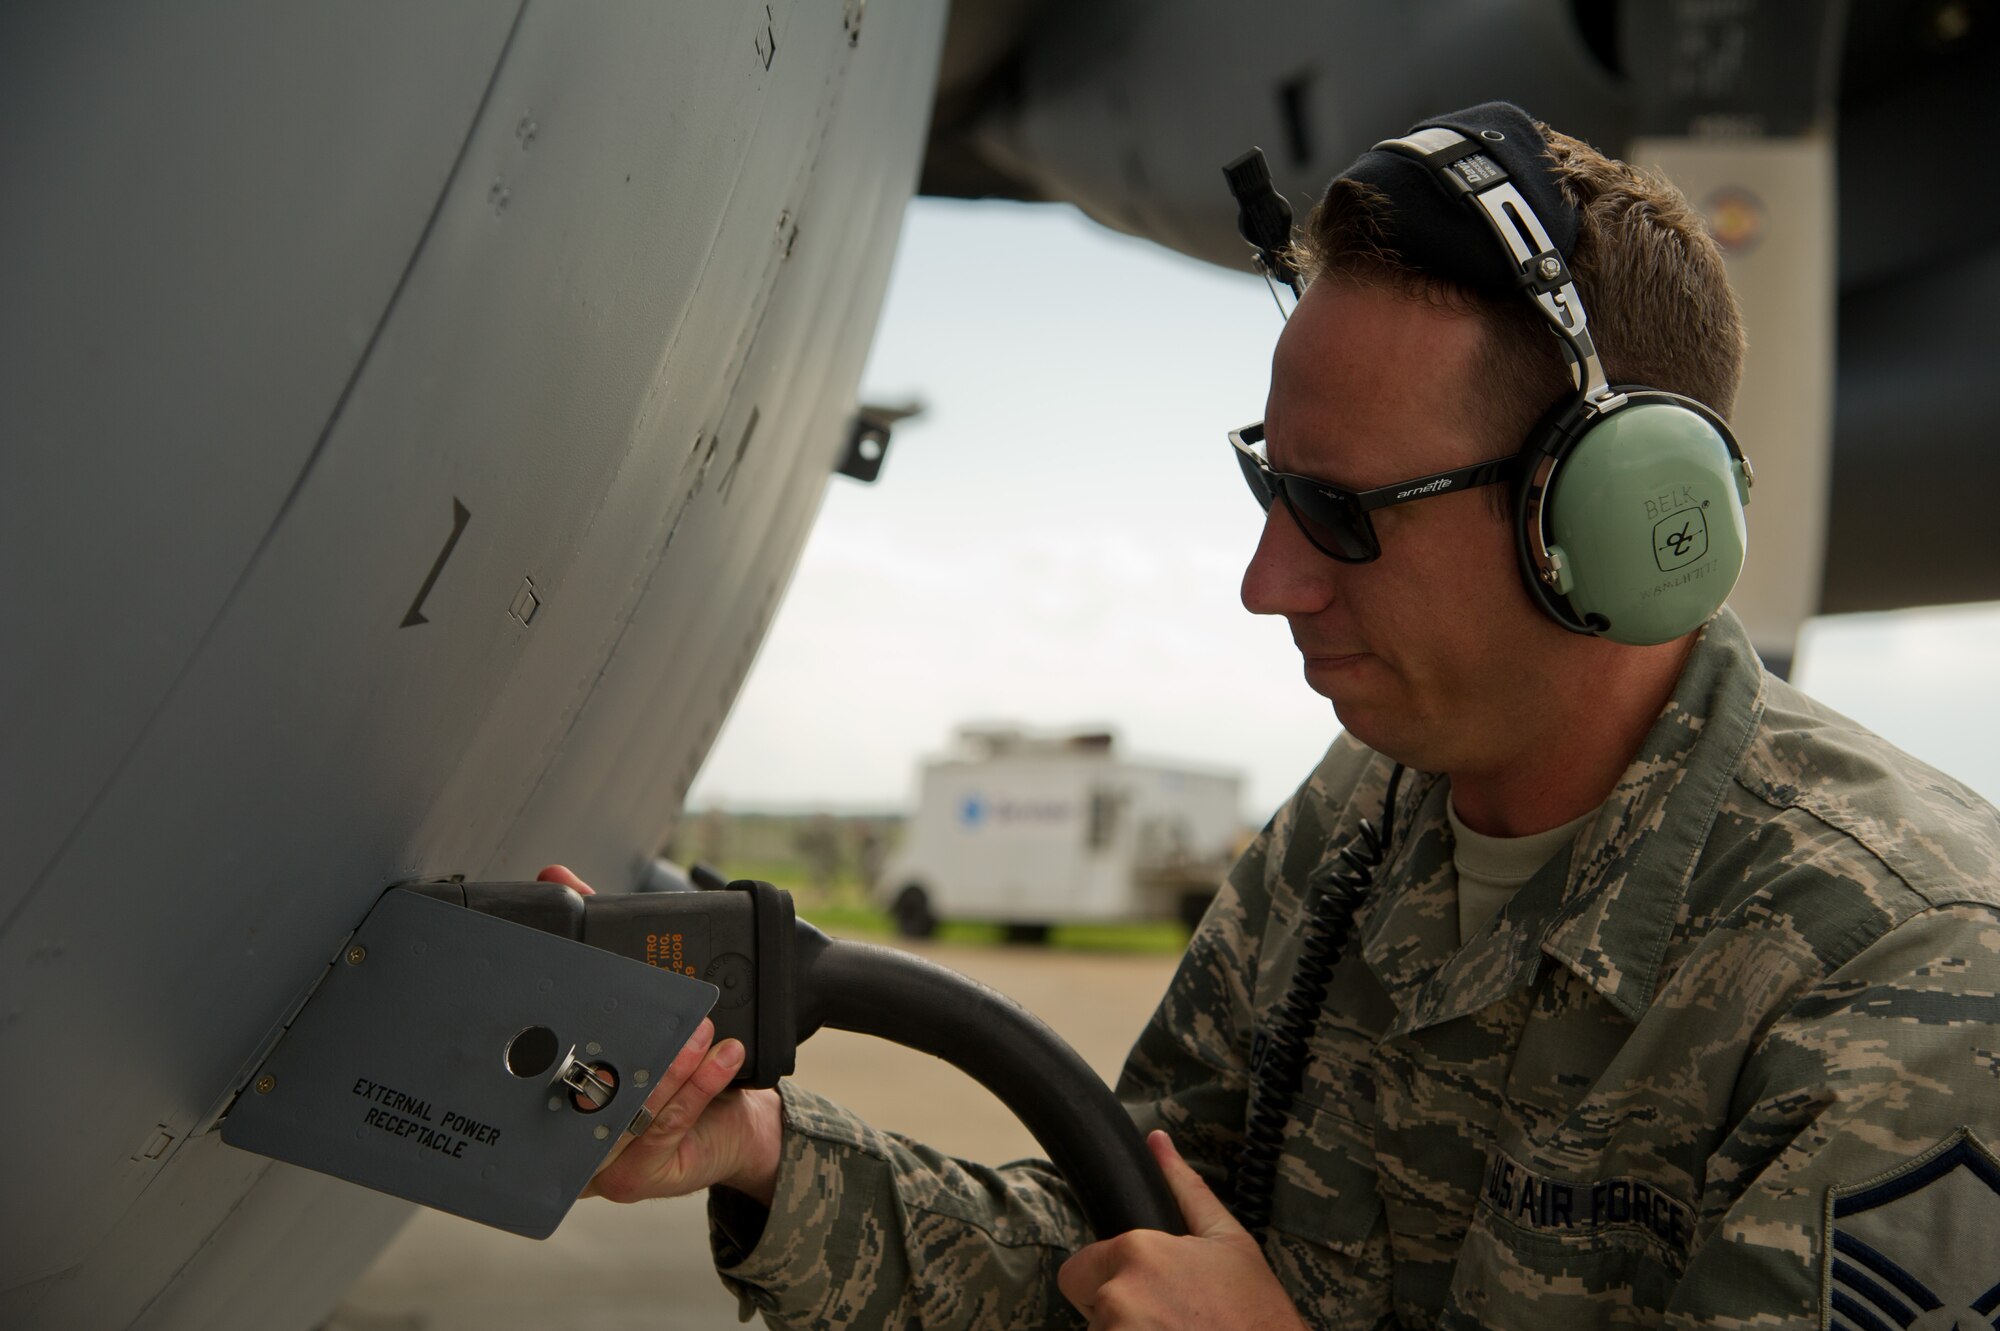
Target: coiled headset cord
x=1278, y=1061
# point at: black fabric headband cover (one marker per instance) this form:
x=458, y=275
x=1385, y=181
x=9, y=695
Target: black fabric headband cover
x=1437, y=234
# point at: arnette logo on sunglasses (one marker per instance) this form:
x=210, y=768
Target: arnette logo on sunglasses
x=1441, y=483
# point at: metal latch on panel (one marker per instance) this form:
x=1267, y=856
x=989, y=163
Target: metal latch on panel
x=868, y=441
x=467, y=1062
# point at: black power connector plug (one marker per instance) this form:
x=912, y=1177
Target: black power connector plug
x=742, y=938
x=783, y=980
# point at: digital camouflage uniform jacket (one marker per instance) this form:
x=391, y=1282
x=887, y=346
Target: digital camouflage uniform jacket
x=1733, y=1061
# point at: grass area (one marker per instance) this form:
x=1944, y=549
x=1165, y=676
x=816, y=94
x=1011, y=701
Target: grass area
x=847, y=920
x=794, y=877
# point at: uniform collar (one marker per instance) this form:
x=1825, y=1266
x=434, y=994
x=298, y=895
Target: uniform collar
x=1626, y=883
x=1606, y=909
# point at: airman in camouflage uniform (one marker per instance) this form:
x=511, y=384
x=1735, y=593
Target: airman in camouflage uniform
x=1730, y=1058
x=1767, y=973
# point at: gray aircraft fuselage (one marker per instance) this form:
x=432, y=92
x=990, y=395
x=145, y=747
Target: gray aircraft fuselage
x=412, y=415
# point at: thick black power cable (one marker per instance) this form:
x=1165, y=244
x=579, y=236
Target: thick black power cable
x=1007, y=1049
x=1278, y=1063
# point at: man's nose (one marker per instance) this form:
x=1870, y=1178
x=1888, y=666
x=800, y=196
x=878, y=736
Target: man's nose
x=1287, y=575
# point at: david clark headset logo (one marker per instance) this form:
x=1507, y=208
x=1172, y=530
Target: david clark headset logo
x=1679, y=539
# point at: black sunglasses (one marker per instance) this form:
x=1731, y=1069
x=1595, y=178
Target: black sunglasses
x=1334, y=518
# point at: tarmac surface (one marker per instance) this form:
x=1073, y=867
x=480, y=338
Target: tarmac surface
x=623, y=1268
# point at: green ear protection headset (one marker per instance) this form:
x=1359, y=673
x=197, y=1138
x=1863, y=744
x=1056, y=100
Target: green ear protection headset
x=1628, y=514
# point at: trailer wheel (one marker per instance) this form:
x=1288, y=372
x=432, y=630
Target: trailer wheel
x=1032, y=934
x=913, y=913
x=1194, y=905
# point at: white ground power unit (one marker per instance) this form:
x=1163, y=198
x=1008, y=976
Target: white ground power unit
x=1033, y=830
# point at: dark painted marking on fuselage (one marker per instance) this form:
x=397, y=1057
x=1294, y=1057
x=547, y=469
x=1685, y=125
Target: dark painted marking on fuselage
x=460, y=515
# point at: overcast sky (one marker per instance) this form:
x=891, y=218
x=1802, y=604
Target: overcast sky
x=1057, y=541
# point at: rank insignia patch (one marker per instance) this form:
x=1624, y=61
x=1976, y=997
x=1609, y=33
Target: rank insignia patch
x=1918, y=1248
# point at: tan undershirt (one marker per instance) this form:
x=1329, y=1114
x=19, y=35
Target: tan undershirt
x=1492, y=868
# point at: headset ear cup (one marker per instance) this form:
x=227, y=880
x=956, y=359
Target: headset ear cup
x=1541, y=456
x=1644, y=518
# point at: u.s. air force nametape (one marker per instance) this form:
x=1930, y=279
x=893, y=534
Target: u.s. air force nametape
x=1550, y=1205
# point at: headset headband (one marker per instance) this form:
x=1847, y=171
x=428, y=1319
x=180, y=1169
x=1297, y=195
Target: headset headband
x=1465, y=170
x=1591, y=562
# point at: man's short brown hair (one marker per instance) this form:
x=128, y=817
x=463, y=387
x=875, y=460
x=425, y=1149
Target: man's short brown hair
x=1652, y=282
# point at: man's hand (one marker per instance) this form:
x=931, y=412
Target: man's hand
x=1214, y=1278
x=702, y=1134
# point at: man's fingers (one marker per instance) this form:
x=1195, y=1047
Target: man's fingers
x=1080, y=1276
x=662, y=1091
x=684, y=1063
x=560, y=875
x=676, y=1076
x=1216, y=1276
x=1202, y=1209
x=657, y=1163
x=711, y=1075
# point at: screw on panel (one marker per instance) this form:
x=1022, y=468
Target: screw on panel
x=600, y=1132
x=1550, y=268
x=266, y=1084
x=356, y=955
